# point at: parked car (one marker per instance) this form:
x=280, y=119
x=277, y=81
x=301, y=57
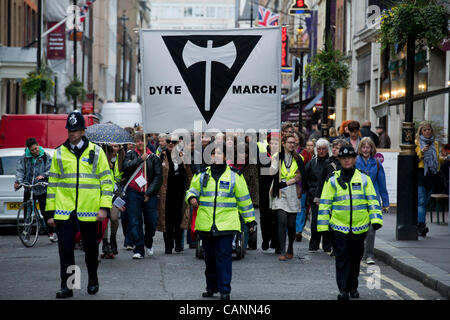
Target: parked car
x=10, y=200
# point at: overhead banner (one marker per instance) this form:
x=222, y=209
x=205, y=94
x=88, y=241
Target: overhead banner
x=226, y=79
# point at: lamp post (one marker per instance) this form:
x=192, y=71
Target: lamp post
x=124, y=19
x=407, y=160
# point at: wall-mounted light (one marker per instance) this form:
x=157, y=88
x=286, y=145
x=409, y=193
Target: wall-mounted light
x=332, y=116
x=423, y=87
x=314, y=109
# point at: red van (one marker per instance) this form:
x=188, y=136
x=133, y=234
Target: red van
x=48, y=129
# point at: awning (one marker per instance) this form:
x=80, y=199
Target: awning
x=314, y=101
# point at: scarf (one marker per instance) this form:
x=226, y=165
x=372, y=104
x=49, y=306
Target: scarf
x=430, y=161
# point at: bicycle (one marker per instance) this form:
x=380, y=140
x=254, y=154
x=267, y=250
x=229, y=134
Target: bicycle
x=29, y=219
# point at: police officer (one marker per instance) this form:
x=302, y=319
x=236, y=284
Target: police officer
x=221, y=195
x=79, y=193
x=350, y=199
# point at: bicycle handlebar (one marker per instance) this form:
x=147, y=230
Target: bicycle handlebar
x=33, y=185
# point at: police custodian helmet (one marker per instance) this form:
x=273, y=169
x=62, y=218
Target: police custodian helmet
x=75, y=121
x=347, y=152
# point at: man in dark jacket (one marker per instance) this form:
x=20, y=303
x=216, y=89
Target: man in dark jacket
x=32, y=168
x=314, y=169
x=141, y=196
x=366, y=132
x=385, y=141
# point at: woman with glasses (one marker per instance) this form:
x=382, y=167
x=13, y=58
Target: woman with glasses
x=286, y=194
x=368, y=164
x=170, y=207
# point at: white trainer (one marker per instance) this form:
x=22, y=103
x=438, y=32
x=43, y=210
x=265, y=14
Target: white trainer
x=138, y=256
x=370, y=260
x=150, y=251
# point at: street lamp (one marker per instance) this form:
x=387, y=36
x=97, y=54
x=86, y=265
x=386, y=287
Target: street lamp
x=324, y=126
x=407, y=159
x=124, y=19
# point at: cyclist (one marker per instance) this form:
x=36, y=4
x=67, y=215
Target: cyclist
x=33, y=167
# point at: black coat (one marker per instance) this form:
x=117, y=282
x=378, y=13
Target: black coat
x=331, y=165
x=366, y=132
x=154, y=170
x=313, y=171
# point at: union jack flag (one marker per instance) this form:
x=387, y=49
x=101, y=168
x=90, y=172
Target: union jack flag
x=266, y=17
x=84, y=10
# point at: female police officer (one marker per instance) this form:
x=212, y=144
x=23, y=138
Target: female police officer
x=221, y=195
x=350, y=198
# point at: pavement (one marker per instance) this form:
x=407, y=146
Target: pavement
x=426, y=260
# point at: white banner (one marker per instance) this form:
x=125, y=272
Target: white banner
x=389, y=159
x=223, y=79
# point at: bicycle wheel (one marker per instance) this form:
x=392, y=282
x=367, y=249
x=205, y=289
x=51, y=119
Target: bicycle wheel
x=27, y=224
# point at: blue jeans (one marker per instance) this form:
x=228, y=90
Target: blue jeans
x=139, y=213
x=301, y=216
x=423, y=197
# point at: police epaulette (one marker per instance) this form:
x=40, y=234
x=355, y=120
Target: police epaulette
x=236, y=170
x=203, y=170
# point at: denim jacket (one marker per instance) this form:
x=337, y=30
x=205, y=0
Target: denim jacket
x=29, y=167
x=377, y=176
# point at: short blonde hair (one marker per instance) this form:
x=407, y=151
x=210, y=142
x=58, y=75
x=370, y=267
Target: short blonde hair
x=369, y=141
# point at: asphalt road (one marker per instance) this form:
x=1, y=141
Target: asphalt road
x=33, y=273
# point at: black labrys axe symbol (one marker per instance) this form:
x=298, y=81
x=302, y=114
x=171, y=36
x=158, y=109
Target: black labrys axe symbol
x=193, y=54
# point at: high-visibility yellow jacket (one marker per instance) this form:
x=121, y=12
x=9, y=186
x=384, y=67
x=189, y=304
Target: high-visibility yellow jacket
x=286, y=174
x=352, y=208
x=116, y=174
x=76, y=184
x=221, y=202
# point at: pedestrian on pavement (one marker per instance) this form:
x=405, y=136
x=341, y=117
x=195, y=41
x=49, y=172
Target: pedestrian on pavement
x=141, y=200
x=172, y=192
x=311, y=147
x=33, y=167
x=268, y=218
x=427, y=149
x=301, y=215
x=355, y=134
x=221, y=195
x=372, y=167
x=115, y=155
x=348, y=205
x=344, y=133
x=162, y=138
x=367, y=132
x=314, y=170
x=286, y=194
x=315, y=132
x=385, y=141
x=79, y=194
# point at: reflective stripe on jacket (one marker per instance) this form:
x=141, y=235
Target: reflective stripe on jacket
x=221, y=202
x=353, y=207
x=75, y=184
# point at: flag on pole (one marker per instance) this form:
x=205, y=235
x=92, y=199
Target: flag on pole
x=267, y=18
x=84, y=9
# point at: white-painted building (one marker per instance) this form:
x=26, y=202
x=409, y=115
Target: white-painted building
x=193, y=14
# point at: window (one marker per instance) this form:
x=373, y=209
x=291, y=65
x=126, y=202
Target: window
x=188, y=11
x=8, y=165
x=199, y=12
x=211, y=12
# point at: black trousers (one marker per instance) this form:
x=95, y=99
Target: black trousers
x=349, y=250
x=42, y=199
x=269, y=226
x=173, y=217
x=286, y=221
x=90, y=232
x=316, y=236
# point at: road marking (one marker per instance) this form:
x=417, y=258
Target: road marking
x=413, y=295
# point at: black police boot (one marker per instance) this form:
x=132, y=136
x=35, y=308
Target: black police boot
x=64, y=293
x=224, y=296
x=93, y=288
x=342, y=296
x=354, y=294
x=113, y=245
